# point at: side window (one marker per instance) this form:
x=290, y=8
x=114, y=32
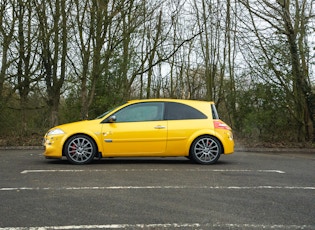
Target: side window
x=178, y=111
x=214, y=111
x=149, y=111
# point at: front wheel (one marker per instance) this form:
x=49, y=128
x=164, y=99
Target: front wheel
x=206, y=150
x=80, y=149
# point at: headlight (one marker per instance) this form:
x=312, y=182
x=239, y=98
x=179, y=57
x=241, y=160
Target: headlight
x=55, y=132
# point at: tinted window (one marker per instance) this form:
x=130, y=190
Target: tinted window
x=214, y=112
x=140, y=112
x=178, y=111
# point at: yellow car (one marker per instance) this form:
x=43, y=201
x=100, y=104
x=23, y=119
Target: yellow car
x=148, y=128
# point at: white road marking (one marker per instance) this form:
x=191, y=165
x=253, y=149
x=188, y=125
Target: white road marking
x=148, y=170
x=165, y=226
x=159, y=187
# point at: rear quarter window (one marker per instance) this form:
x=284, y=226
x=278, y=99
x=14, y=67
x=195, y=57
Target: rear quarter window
x=214, y=111
x=178, y=111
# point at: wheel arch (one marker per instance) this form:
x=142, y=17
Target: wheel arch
x=84, y=134
x=208, y=152
x=205, y=135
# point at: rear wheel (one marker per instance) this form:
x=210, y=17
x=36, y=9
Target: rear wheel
x=206, y=150
x=80, y=149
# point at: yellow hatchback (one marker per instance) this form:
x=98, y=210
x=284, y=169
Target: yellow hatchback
x=145, y=128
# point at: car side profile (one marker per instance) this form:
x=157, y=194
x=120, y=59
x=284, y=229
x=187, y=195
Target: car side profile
x=148, y=128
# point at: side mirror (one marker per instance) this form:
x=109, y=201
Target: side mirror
x=112, y=119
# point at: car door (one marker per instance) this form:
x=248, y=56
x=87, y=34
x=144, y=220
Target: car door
x=183, y=121
x=136, y=130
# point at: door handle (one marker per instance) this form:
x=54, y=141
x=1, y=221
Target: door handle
x=159, y=127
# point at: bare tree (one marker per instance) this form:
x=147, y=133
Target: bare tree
x=286, y=24
x=105, y=31
x=53, y=38
x=7, y=29
x=214, y=44
x=26, y=63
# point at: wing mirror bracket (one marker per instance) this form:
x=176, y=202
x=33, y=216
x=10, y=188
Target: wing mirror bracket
x=112, y=119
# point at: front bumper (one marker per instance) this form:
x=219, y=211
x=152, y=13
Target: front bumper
x=53, y=146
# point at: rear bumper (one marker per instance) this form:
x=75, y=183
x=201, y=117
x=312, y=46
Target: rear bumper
x=227, y=140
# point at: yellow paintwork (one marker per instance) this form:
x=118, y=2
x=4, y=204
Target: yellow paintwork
x=142, y=138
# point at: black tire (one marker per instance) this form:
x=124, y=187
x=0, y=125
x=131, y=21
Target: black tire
x=205, y=150
x=80, y=149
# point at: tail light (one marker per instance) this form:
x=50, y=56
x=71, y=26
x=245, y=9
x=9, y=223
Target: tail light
x=218, y=124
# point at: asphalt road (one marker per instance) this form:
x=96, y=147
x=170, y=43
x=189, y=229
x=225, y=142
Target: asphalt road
x=245, y=190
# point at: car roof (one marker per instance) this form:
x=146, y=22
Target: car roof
x=169, y=100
